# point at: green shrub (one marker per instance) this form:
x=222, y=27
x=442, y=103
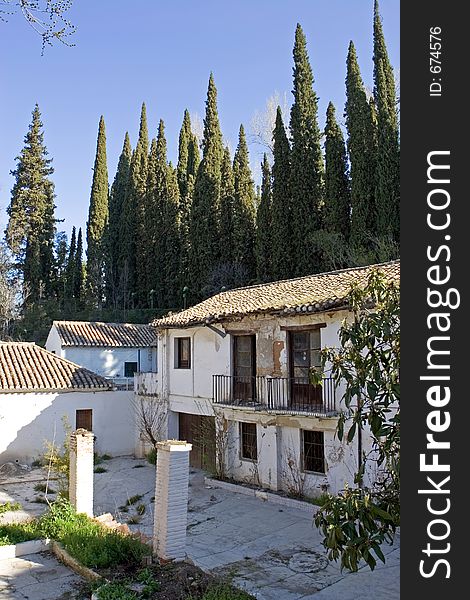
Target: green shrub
x=100, y=470
x=14, y=533
x=134, y=499
x=115, y=591
x=151, y=456
x=225, y=591
x=9, y=506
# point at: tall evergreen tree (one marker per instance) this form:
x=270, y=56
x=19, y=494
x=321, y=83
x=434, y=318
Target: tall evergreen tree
x=97, y=222
x=205, y=206
x=60, y=267
x=306, y=183
x=80, y=272
x=117, y=199
x=31, y=227
x=362, y=154
x=244, y=209
x=388, y=151
x=227, y=192
x=188, y=162
x=281, y=218
x=264, y=225
x=337, y=207
x=70, y=268
x=164, y=226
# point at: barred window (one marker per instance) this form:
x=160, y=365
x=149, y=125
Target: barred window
x=248, y=442
x=313, y=451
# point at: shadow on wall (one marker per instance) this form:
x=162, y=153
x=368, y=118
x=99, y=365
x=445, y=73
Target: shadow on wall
x=28, y=420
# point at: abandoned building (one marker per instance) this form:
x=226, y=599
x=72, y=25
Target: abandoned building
x=234, y=377
x=113, y=350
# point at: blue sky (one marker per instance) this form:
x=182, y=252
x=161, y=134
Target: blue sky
x=162, y=52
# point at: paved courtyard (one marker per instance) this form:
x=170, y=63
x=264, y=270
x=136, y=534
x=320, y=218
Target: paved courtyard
x=272, y=551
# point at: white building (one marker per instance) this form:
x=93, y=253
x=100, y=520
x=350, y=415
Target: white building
x=39, y=389
x=235, y=369
x=113, y=350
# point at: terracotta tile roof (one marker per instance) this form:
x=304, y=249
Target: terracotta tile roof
x=27, y=367
x=313, y=293
x=86, y=333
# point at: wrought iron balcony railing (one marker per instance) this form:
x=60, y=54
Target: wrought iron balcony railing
x=289, y=395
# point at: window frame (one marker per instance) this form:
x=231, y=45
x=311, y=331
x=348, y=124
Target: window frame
x=131, y=362
x=89, y=413
x=303, y=453
x=179, y=363
x=242, y=425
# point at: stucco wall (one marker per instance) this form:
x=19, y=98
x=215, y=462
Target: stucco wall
x=27, y=420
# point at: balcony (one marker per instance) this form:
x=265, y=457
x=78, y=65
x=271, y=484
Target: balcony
x=284, y=395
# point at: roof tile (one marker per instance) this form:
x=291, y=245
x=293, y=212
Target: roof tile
x=85, y=333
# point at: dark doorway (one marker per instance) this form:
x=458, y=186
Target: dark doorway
x=244, y=368
x=199, y=431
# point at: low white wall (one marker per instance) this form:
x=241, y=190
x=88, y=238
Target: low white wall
x=27, y=420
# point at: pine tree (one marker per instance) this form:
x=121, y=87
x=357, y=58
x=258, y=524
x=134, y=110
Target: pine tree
x=244, y=209
x=205, y=206
x=31, y=227
x=388, y=151
x=362, y=151
x=80, y=272
x=264, y=225
x=97, y=222
x=281, y=218
x=306, y=183
x=227, y=192
x=70, y=268
x=117, y=199
x=337, y=208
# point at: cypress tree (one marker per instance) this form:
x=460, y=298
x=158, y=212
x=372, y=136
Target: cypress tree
x=60, y=267
x=172, y=246
x=70, y=268
x=337, y=207
x=31, y=226
x=117, y=199
x=388, y=151
x=243, y=209
x=306, y=162
x=264, y=225
x=205, y=206
x=97, y=221
x=188, y=162
x=134, y=279
x=227, y=192
x=79, y=278
x=362, y=154
x=281, y=218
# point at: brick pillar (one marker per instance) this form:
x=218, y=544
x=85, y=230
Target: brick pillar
x=81, y=471
x=171, y=499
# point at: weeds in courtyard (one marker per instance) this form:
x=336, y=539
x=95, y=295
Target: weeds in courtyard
x=9, y=506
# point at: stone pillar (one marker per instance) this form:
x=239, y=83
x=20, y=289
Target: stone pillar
x=171, y=499
x=81, y=471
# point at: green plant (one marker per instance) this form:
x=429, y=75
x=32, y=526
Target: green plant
x=10, y=506
x=133, y=499
x=100, y=470
x=14, y=533
x=39, y=500
x=43, y=487
x=106, y=457
x=37, y=462
x=151, y=456
x=320, y=500
x=151, y=584
x=134, y=520
x=224, y=591
x=140, y=509
x=115, y=591
x=58, y=458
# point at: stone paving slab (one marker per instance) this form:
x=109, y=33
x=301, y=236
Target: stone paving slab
x=37, y=577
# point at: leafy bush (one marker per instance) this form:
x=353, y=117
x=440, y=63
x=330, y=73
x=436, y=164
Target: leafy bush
x=151, y=456
x=9, y=506
x=115, y=591
x=15, y=533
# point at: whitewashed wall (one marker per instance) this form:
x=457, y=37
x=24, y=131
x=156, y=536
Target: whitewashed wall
x=108, y=362
x=27, y=420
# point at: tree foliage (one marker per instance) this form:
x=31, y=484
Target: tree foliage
x=359, y=519
x=264, y=224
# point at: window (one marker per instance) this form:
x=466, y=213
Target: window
x=84, y=419
x=130, y=368
x=183, y=353
x=313, y=451
x=248, y=442
x=305, y=350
